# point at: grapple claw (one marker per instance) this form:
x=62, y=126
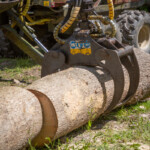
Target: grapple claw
x=131, y=65
x=129, y=61
x=114, y=67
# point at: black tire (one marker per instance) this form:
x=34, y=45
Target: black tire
x=8, y=49
x=4, y=44
x=135, y=28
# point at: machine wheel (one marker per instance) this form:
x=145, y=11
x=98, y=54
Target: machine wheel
x=8, y=49
x=4, y=50
x=135, y=27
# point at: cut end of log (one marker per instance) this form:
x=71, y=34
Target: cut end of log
x=20, y=117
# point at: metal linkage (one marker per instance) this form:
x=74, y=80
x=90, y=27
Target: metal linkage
x=27, y=31
x=23, y=44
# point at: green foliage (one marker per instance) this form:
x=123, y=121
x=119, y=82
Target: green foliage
x=89, y=125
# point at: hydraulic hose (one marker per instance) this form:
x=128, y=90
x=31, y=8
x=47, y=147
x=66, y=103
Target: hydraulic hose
x=29, y=18
x=73, y=16
x=111, y=9
x=55, y=34
x=31, y=21
x=20, y=9
x=68, y=21
x=26, y=9
x=37, y=22
x=22, y=13
x=105, y=21
x=68, y=14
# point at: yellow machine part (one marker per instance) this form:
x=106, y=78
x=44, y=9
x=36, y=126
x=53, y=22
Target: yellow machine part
x=26, y=9
x=23, y=13
x=37, y=22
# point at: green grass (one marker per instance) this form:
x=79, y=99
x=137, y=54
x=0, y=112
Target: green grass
x=124, y=113
x=16, y=63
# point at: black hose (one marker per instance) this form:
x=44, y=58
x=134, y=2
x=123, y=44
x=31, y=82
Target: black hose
x=77, y=3
x=80, y=3
x=68, y=15
x=69, y=11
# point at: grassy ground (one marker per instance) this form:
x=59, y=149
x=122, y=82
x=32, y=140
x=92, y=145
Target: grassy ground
x=123, y=129
x=18, y=72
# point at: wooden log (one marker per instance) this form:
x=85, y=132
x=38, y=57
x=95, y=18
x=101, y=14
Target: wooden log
x=82, y=93
x=20, y=117
x=61, y=103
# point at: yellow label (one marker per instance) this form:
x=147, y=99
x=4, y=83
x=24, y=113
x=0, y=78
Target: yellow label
x=46, y=3
x=86, y=51
x=80, y=48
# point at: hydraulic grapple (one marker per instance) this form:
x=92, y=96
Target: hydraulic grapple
x=87, y=46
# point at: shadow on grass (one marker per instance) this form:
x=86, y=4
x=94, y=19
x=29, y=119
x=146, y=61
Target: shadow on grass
x=5, y=80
